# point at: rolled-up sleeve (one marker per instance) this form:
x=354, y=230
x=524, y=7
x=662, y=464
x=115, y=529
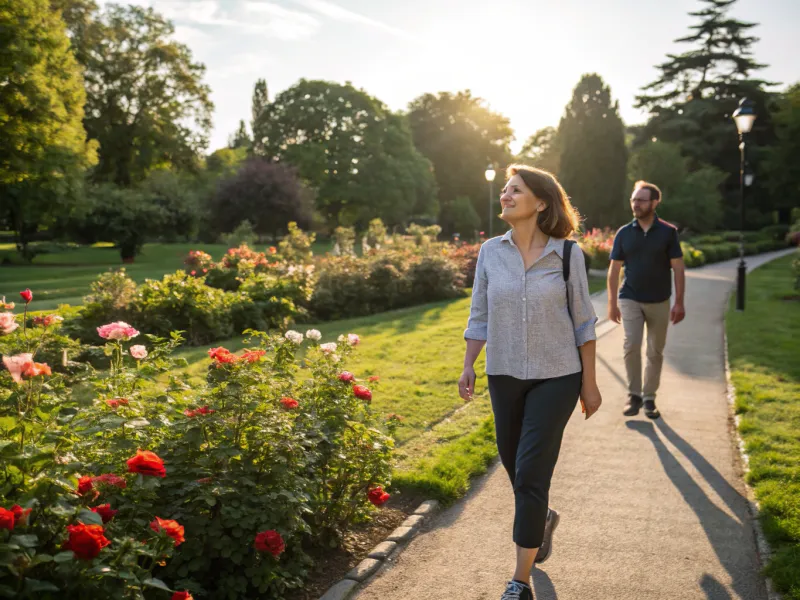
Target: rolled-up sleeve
x=583, y=315
x=478, y=325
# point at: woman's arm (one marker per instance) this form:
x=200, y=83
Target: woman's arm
x=477, y=329
x=583, y=320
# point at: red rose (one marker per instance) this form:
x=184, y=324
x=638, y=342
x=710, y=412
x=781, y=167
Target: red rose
x=105, y=512
x=84, y=484
x=182, y=596
x=377, y=496
x=362, y=392
x=270, y=541
x=374, y=378
x=289, y=403
x=346, y=376
x=147, y=463
x=27, y=295
x=191, y=414
x=111, y=479
x=252, y=356
x=222, y=355
x=86, y=541
x=7, y=519
x=205, y=410
x=20, y=514
x=172, y=528
x=113, y=403
x=32, y=369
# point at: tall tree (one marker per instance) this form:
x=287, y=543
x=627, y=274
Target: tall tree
x=146, y=102
x=241, y=138
x=43, y=148
x=542, y=150
x=460, y=136
x=259, y=115
x=593, y=153
x=351, y=149
x=782, y=164
x=697, y=91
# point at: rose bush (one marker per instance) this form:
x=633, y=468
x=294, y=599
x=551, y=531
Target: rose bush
x=127, y=483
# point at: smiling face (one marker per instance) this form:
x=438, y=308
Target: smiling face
x=518, y=202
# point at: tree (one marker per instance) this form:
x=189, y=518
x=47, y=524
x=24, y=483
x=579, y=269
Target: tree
x=690, y=200
x=357, y=155
x=542, y=150
x=692, y=100
x=462, y=216
x=240, y=139
x=593, y=153
x=782, y=164
x=146, y=102
x=43, y=148
x=460, y=136
x=175, y=196
x=267, y=194
x=259, y=115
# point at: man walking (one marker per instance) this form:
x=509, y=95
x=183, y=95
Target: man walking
x=649, y=250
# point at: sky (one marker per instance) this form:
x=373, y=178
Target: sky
x=523, y=57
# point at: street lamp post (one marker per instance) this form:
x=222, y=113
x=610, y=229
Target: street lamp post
x=744, y=117
x=490, y=175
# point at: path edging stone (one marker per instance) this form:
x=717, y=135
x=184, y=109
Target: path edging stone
x=391, y=546
x=762, y=545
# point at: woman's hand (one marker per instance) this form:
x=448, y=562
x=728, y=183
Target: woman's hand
x=590, y=398
x=466, y=384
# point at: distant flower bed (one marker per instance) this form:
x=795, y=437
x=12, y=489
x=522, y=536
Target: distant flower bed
x=118, y=483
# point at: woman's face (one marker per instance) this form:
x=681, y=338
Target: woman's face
x=518, y=201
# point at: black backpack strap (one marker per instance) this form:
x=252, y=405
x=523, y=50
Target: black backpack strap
x=568, y=244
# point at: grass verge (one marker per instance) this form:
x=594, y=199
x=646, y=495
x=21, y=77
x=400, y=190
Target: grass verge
x=765, y=370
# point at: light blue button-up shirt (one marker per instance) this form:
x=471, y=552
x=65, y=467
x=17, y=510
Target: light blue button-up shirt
x=523, y=316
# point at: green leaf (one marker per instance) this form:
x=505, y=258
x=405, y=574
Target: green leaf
x=63, y=557
x=41, y=558
x=37, y=585
x=26, y=541
x=89, y=517
x=137, y=423
x=7, y=592
x=156, y=583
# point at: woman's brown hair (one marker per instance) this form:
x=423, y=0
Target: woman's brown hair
x=560, y=219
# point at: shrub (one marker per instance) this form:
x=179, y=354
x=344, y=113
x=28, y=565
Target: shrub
x=776, y=232
x=345, y=240
x=435, y=278
x=219, y=490
x=466, y=257
x=110, y=299
x=376, y=234
x=295, y=247
x=243, y=234
x=692, y=257
x=180, y=302
x=597, y=245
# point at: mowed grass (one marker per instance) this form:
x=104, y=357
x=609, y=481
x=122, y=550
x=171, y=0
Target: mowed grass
x=65, y=277
x=418, y=354
x=765, y=367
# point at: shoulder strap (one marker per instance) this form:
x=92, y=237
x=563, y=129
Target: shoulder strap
x=568, y=244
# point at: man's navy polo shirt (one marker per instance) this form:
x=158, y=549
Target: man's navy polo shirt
x=646, y=256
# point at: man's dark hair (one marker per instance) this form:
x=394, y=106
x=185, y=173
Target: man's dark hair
x=655, y=192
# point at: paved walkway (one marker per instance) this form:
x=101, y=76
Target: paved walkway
x=650, y=510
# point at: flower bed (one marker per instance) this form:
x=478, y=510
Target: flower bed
x=116, y=485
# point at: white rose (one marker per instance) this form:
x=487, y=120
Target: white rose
x=294, y=336
x=328, y=348
x=313, y=335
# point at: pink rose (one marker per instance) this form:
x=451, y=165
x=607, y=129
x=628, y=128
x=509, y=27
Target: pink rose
x=8, y=323
x=353, y=339
x=117, y=331
x=17, y=364
x=138, y=352
x=328, y=348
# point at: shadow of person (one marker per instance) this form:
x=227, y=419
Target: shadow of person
x=543, y=586
x=735, y=501
x=725, y=534
x=713, y=589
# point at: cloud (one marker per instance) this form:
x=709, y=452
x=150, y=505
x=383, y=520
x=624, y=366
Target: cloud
x=336, y=12
x=243, y=65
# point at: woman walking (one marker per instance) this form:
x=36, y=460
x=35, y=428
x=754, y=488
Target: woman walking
x=534, y=314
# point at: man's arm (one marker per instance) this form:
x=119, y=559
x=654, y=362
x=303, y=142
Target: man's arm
x=612, y=284
x=678, y=310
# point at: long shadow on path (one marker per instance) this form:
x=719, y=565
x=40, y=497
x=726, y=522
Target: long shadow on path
x=725, y=534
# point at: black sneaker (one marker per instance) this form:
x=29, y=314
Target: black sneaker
x=517, y=591
x=633, y=406
x=650, y=409
x=547, y=543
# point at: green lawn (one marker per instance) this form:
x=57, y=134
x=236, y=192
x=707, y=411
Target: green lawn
x=765, y=364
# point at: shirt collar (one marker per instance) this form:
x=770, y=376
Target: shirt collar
x=656, y=222
x=553, y=244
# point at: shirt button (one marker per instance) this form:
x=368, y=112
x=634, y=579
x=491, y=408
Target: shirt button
x=524, y=299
